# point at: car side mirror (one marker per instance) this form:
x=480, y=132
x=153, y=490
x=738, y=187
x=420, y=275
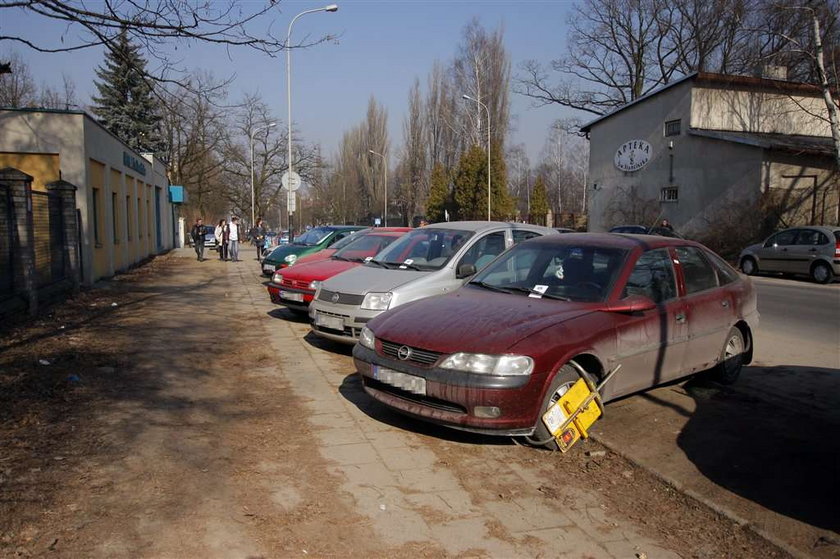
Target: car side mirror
x=632, y=304
x=465, y=271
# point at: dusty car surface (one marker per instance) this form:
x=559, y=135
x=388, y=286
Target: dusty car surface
x=295, y=286
x=494, y=355
x=428, y=261
x=813, y=251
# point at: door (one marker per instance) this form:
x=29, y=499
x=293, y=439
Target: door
x=773, y=256
x=651, y=344
x=709, y=310
x=806, y=249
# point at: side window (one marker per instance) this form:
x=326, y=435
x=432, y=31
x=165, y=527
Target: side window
x=811, y=237
x=485, y=250
x=699, y=274
x=653, y=277
x=726, y=273
x=520, y=235
x=781, y=239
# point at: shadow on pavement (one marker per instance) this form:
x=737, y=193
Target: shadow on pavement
x=784, y=456
x=353, y=391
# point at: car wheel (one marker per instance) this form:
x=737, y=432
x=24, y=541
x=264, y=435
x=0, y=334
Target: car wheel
x=821, y=273
x=731, y=358
x=560, y=384
x=748, y=266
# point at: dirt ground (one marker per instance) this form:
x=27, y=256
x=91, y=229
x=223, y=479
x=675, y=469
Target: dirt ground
x=135, y=422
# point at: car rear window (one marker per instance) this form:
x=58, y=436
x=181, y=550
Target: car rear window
x=698, y=273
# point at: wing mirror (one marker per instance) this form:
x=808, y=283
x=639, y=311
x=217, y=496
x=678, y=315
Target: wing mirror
x=632, y=304
x=465, y=271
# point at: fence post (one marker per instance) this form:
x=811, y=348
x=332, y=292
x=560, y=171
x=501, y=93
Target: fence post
x=23, y=233
x=67, y=191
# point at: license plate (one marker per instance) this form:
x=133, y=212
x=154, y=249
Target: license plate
x=289, y=296
x=331, y=322
x=268, y=267
x=409, y=383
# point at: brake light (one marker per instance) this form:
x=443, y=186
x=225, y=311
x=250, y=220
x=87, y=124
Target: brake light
x=837, y=250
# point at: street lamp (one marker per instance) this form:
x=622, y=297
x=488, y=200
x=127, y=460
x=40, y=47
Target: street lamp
x=467, y=97
x=251, y=136
x=330, y=8
x=385, y=173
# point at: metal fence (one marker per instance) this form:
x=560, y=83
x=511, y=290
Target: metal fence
x=7, y=273
x=49, y=238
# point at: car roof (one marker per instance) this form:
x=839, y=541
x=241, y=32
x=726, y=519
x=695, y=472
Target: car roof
x=828, y=229
x=624, y=241
x=479, y=226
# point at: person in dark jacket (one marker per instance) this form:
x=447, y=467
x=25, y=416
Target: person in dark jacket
x=257, y=235
x=197, y=235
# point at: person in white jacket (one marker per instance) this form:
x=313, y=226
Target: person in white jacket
x=222, y=234
x=235, y=235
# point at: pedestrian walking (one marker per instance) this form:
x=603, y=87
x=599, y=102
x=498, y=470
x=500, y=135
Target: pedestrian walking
x=223, y=239
x=258, y=237
x=234, y=239
x=197, y=236
x=666, y=225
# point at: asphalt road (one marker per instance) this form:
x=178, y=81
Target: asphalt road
x=800, y=323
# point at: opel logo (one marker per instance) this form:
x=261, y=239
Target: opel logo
x=404, y=353
x=335, y=297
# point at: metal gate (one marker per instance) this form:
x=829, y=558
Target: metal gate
x=49, y=238
x=7, y=274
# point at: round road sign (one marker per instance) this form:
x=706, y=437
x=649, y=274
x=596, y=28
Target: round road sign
x=292, y=183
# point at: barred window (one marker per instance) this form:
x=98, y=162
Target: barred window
x=669, y=194
x=673, y=127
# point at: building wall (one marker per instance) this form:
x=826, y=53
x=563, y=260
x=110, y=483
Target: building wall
x=801, y=189
x=118, y=182
x=716, y=108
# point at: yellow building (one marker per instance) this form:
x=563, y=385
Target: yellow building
x=122, y=197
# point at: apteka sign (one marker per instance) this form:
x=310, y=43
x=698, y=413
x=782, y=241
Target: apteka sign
x=632, y=155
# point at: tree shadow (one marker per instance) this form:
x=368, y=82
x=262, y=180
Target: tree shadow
x=783, y=455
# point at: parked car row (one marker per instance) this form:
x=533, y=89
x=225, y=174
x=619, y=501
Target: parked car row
x=482, y=326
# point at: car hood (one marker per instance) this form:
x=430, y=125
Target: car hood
x=318, y=270
x=315, y=257
x=473, y=320
x=280, y=254
x=367, y=279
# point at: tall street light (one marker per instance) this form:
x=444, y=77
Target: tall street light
x=385, y=173
x=330, y=8
x=251, y=136
x=467, y=97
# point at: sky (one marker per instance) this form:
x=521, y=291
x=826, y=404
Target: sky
x=382, y=46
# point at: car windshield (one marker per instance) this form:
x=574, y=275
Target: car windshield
x=313, y=237
x=567, y=272
x=364, y=246
x=423, y=249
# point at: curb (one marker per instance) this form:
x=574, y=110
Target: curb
x=723, y=511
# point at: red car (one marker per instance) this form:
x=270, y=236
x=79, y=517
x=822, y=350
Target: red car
x=494, y=355
x=295, y=286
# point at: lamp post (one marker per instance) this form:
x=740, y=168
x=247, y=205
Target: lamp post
x=251, y=136
x=467, y=97
x=329, y=8
x=385, y=173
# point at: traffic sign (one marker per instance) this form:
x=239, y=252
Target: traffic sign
x=292, y=183
x=291, y=202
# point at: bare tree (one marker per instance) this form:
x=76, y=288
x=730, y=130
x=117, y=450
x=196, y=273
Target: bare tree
x=17, y=88
x=412, y=173
x=563, y=167
x=440, y=110
x=65, y=98
x=519, y=179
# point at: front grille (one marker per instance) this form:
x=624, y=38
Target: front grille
x=295, y=284
x=343, y=298
x=419, y=356
x=427, y=401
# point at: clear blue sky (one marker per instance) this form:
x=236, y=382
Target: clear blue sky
x=382, y=47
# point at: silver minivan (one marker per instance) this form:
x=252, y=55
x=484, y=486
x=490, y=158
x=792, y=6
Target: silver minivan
x=812, y=250
x=428, y=261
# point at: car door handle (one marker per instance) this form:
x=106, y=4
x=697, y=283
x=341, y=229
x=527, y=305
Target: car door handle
x=680, y=318
x=784, y=250
x=813, y=250
x=724, y=303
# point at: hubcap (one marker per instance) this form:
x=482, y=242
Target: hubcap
x=732, y=353
x=820, y=273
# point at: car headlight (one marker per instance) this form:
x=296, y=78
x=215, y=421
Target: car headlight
x=291, y=259
x=367, y=339
x=500, y=365
x=314, y=284
x=277, y=278
x=376, y=301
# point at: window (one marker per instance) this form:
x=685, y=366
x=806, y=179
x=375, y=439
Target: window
x=653, y=277
x=725, y=272
x=114, y=217
x=697, y=272
x=669, y=194
x=97, y=203
x=783, y=238
x=128, y=217
x=520, y=235
x=673, y=127
x=485, y=250
x=811, y=237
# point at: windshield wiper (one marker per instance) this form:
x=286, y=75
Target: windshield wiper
x=406, y=265
x=490, y=286
x=531, y=291
x=341, y=258
x=378, y=263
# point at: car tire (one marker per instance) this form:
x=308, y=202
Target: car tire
x=749, y=266
x=822, y=272
x=731, y=358
x=560, y=384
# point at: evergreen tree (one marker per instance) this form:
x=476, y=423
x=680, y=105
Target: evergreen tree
x=471, y=186
x=438, y=200
x=539, y=202
x=125, y=104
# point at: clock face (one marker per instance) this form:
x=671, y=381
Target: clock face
x=632, y=155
